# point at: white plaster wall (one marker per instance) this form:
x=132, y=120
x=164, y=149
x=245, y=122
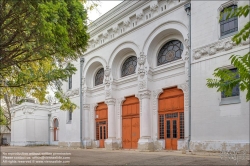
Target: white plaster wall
x=29, y=124
x=205, y=21
x=214, y=127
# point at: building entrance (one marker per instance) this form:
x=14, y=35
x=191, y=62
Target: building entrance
x=171, y=117
x=130, y=123
x=101, y=124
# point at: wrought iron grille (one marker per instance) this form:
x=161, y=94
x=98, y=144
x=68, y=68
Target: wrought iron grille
x=97, y=131
x=173, y=115
x=99, y=77
x=129, y=66
x=181, y=125
x=161, y=126
x=171, y=51
x=236, y=89
x=230, y=25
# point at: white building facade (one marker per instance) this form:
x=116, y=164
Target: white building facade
x=136, y=82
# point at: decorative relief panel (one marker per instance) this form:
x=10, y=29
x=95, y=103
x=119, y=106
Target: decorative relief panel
x=71, y=93
x=28, y=110
x=214, y=48
x=108, y=82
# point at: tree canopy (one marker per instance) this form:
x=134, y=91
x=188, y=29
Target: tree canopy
x=226, y=80
x=38, y=40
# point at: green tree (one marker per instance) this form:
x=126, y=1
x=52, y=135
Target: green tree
x=225, y=80
x=38, y=40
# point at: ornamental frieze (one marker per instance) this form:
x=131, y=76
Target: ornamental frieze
x=214, y=48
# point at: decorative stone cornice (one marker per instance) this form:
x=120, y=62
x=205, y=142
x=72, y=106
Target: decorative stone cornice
x=126, y=23
x=110, y=101
x=145, y=94
x=217, y=47
x=72, y=92
x=154, y=7
x=139, y=15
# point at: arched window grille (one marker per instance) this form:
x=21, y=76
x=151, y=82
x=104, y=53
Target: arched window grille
x=99, y=77
x=129, y=66
x=171, y=51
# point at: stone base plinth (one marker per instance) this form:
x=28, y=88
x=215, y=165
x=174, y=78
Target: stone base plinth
x=112, y=144
x=145, y=145
x=87, y=144
x=70, y=144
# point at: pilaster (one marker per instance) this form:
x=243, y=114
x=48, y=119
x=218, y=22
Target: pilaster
x=111, y=143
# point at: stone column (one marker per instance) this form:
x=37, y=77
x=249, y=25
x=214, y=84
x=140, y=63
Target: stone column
x=145, y=143
x=86, y=138
x=111, y=142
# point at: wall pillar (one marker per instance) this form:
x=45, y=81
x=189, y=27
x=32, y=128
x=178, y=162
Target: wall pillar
x=111, y=143
x=86, y=138
x=145, y=142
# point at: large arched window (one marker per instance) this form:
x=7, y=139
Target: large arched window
x=171, y=51
x=129, y=66
x=99, y=77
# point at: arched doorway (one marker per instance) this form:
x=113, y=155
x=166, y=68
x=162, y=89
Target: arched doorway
x=101, y=120
x=130, y=123
x=171, y=117
x=55, y=124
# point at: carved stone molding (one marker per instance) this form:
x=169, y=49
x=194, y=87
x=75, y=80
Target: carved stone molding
x=154, y=7
x=142, y=85
x=72, y=92
x=92, y=108
x=141, y=65
x=145, y=94
x=110, y=101
x=118, y=106
x=185, y=89
x=139, y=15
x=86, y=106
x=28, y=110
x=156, y=94
x=126, y=23
x=214, y=48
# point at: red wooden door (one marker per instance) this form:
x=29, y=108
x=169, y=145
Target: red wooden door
x=101, y=124
x=171, y=134
x=130, y=123
x=102, y=135
x=171, y=119
x=135, y=122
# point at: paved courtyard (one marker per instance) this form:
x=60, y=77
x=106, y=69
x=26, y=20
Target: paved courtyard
x=53, y=155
